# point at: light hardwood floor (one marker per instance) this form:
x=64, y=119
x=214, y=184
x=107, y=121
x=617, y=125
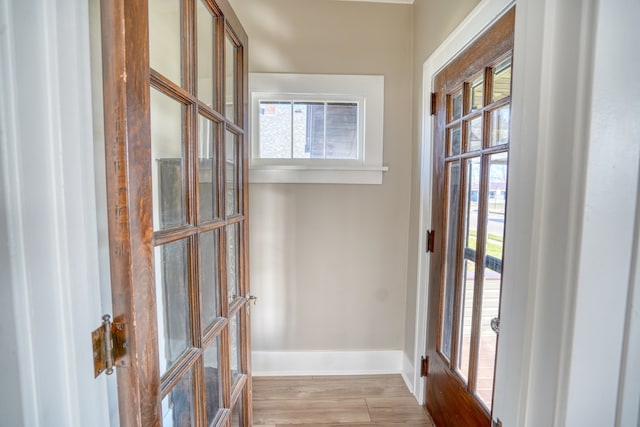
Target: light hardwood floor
x=331, y=401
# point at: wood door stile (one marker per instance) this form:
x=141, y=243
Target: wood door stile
x=126, y=93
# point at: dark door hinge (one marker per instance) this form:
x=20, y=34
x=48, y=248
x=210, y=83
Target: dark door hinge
x=430, y=240
x=424, y=366
x=433, y=104
x=109, y=346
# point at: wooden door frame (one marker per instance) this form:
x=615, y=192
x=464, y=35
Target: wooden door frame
x=480, y=18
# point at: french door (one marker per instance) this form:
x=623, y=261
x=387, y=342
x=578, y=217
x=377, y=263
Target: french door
x=471, y=151
x=175, y=101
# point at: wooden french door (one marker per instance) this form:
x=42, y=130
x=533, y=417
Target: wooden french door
x=175, y=102
x=471, y=150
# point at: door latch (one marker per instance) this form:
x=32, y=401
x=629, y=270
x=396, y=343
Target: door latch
x=495, y=325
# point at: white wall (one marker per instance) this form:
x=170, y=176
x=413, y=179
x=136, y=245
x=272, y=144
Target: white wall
x=50, y=277
x=328, y=262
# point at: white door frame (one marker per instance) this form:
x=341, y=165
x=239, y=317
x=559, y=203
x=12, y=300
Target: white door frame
x=478, y=20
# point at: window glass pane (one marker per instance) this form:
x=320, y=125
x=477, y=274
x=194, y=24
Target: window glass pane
x=234, y=348
x=453, y=197
x=177, y=405
x=308, y=130
x=492, y=274
x=169, y=203
x=468, y=272
x=212, y=380
x=454, y=141
x=233, y=241
x=275, y=130
x=208, y=135
x=500, y=123
x=342, y=131
x=172, y=302
x=477, y=95
x=165, y=35
x=236, y=416
x=230, y=69
x=209, y=277
x=206, y=55
x=474, y=133
x=232, y=167
x=456, y=105
x=501, y=81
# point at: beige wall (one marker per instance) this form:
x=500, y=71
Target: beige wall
x=433, y=21
x=329, y=262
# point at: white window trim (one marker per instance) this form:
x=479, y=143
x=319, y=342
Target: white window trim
x=368, y=91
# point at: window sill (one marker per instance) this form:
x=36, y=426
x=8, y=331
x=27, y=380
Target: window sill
x=316, y=175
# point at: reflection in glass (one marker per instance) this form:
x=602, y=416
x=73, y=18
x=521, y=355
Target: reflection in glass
x=477, y=95
x=455, y=141
x=342, y=131
x=233, y=251
x=500, y=122
x=275, y=130
x=231, y=173
x=177, y=405
x=474, y=134
x=501, y=81
x=453, y=183
x=169, y=204
x=234, y=349
x=208, y=182
x=492, y=274
x=209, y=277
x=165, y=35
x=468, y=277
x=231, y=66
x=212, y=380
x=236, y=416
x=456, y=105
x=308, y=130
x=172, y=302
x=206, y=55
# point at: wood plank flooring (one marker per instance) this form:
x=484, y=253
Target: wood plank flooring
x=332, y=401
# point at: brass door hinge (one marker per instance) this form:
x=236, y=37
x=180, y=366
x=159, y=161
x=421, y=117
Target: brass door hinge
x=424, y=366
x=431, y=235
x=109, y=346
x=433, y=104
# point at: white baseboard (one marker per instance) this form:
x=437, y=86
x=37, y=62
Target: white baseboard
x=408, y=372
x=287, y=363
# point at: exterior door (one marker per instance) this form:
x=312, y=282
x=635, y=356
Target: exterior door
x=175, y=95
x=471, y=151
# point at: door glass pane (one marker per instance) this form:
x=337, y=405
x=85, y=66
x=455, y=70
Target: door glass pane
x=501, y=81
x=172, y=301
x=492, y=274
x=468, y=272
x=169, y=203
x=231, y=66
x=209, y=277
x=500, y=123
x=342, y=131
x=234, y=348
x=206, y=55
x=454, y=141
x=231, y=173
x=177, y=405
x=275, y=131
x=236, y=416
x=453, y=197
x=233, y=250
x=208, y=135
x=212, y=380
x=308, y=130
x=165, y=35
x=456, y=105
x=476, y=94
x=474, y=134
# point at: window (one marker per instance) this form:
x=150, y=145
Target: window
x=316, y=128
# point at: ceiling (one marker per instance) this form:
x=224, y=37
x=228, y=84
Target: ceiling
x=385, y=1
